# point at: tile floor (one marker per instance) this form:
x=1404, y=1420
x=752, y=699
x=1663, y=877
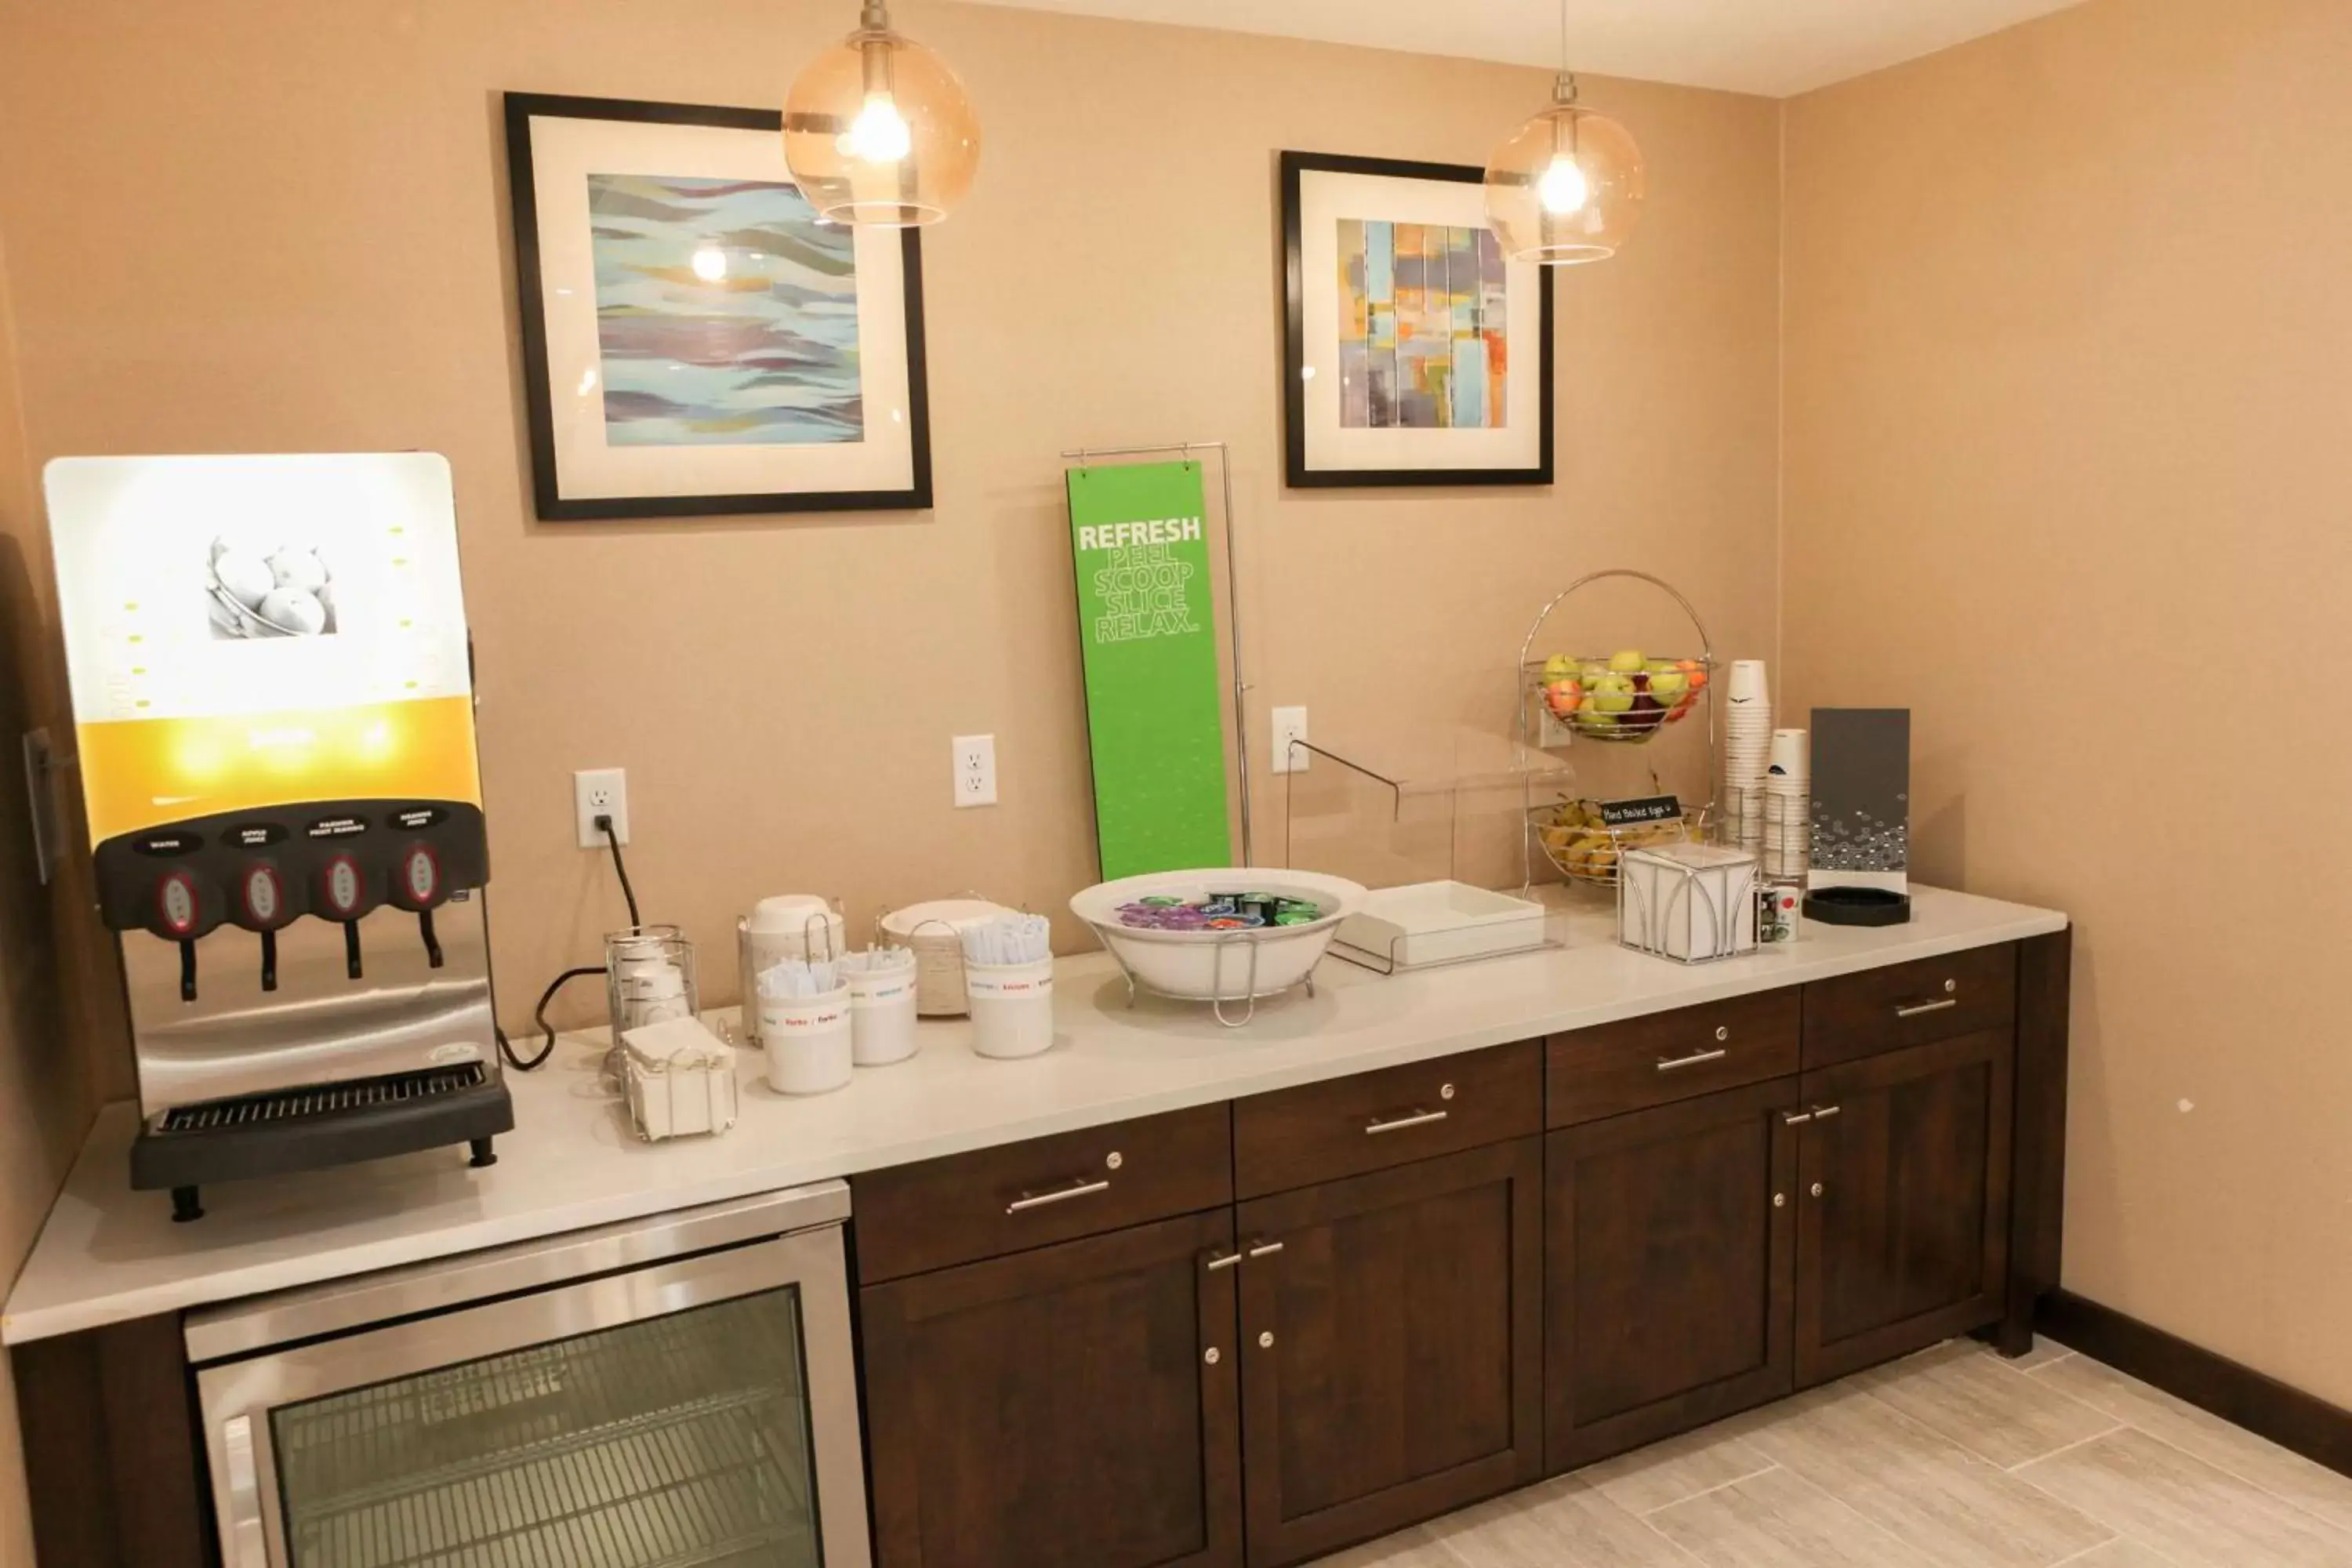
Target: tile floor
x=1954, y=1458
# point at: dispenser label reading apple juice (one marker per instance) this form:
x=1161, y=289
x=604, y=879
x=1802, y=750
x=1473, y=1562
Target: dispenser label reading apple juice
x=1147, y=629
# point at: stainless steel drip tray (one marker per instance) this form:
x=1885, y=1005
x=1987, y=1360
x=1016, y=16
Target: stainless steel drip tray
x=290, y=1131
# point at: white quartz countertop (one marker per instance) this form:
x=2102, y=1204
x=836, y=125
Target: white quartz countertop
x=108, y=1254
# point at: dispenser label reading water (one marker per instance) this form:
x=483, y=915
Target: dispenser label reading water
x=168, y=844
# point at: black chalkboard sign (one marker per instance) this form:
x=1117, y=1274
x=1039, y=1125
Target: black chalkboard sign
x=1652, y=808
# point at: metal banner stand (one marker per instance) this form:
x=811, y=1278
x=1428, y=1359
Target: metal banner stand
x=1182, y=450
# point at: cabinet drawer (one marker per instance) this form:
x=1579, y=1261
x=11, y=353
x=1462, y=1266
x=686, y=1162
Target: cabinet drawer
x=1666, y=1056
x=997, y=1201
x=1858, y=1016
x=1323, y=1132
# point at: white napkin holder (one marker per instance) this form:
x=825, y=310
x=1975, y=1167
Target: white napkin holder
x=1691, y=902
x=681, y=1079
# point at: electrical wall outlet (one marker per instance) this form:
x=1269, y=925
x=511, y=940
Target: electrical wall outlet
x=600, y=792
x=1290, y=724
x=975, y=770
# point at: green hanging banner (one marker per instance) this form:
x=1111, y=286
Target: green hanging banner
x=1147, y=626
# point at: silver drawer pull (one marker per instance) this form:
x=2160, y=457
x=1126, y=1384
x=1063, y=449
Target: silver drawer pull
x=1697, y=1058
x=1264, y=1248
x=1823, y=1112
x=1372, y=1128
x=1080, y=1187
x=1223, y=1260
x=1917, y=1008
x=1795, y=1118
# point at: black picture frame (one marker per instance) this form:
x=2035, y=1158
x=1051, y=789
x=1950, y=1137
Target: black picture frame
x=1295, y=167
x=520, y=108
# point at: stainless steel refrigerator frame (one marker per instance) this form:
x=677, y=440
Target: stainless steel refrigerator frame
x=257, y=1356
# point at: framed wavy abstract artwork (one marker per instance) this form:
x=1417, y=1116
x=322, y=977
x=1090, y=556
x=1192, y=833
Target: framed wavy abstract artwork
x=695, y=339
x=1417, y=352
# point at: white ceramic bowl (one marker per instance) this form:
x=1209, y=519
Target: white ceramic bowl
x=1215, y=965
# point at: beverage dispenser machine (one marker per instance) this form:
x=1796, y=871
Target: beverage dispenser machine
x=274, y=720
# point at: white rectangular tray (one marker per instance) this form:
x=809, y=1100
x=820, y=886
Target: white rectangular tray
x=1428, y=924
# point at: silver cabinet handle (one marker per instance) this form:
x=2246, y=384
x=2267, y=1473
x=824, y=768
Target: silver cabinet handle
x=1823, y=1112
x=1264, y=1248
x=1697, y=1058
x=1375, y=1127
x=1795, y=1118
x=1080, y=1187
x=1223, y=1260
x=244, y=1534
x=1917, y=1008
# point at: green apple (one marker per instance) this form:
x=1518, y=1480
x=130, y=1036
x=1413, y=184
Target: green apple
x=1559, y=667
x=1591, y=718
x=1612, y=699
x=1593, y=674
x=1628, y=662
x=1667, y=685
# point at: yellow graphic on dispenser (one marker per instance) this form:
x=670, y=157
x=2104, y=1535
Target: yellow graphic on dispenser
x=249, y=632
x=144, y=772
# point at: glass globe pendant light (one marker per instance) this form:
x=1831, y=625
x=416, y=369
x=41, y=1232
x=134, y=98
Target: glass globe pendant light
x=1566, y=186
x=877, y=130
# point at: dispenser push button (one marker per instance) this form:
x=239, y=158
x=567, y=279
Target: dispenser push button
x=421, y=874
x=343, y=887
x=265, y=898
x=175, y=903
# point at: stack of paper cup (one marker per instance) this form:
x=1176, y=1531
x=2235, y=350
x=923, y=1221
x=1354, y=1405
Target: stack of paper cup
x=1787, y=807
x=1747, y=752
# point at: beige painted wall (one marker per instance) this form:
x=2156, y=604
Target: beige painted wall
x=302, y=243
x=2067, y=473
x=44, y=1091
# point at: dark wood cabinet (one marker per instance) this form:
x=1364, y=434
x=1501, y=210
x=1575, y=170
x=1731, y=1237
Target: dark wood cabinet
x=1670, y=1269
x=1904, y=1221
x=1392, y=1347
x=1072, y=1406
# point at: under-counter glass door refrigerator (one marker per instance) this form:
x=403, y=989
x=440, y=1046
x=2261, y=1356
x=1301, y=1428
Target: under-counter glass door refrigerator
x=672, y=1392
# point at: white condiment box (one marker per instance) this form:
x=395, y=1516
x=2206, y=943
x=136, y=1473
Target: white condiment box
x=681, y=1079
x=1437, y=922
x=1690, y=902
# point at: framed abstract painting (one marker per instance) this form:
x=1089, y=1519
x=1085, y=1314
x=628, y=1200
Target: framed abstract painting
x=1416, y=352
x=695, y=340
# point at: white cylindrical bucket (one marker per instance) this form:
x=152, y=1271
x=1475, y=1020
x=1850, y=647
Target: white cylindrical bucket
x=1011, y=1007
x=882, y=1014
x=808, y=1043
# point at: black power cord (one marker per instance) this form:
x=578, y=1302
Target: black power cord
x=539, y=1014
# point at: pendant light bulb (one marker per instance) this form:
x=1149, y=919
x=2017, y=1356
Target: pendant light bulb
x=877, y=129
x=879, y=133
x=1563, y=188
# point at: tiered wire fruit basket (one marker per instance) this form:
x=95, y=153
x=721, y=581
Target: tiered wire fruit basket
x=1612, y=699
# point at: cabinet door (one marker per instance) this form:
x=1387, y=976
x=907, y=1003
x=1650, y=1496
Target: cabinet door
x=1904, y=1234
x=1074, y=1406
x=1392, y=1352
x=1669, y=1269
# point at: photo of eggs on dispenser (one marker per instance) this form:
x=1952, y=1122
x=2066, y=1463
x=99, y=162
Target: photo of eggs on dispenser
x=284, y=590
